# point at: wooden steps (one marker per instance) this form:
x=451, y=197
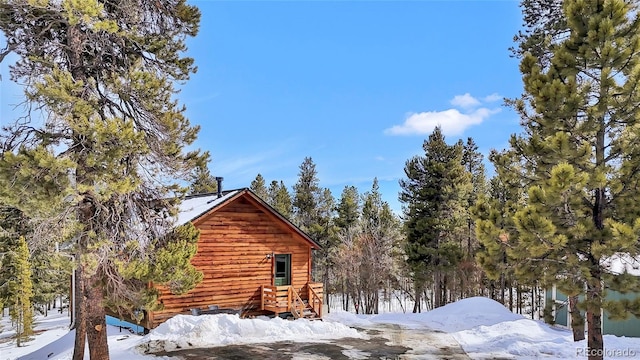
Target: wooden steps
x=286, y=299
x=307, y=312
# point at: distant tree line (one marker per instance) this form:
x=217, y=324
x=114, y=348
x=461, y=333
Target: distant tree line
x=429, y=253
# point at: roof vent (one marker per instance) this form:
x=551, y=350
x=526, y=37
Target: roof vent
x=219, y=181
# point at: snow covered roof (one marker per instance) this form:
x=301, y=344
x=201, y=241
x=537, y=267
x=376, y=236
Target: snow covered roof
x=621, y=262
x=197, y=205
x=193, y=207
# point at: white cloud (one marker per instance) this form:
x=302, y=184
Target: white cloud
x=492, y=98
x=465, y=101
x=452, y=122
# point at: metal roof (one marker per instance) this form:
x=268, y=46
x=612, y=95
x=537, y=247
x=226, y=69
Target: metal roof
x=195, y=206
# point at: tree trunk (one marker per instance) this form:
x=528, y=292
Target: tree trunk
x=502, y=286
x=345, y=296
x=469, y=234
x=79, y=315
x=74, y=42
x=416, y=304
x=595, y=343
x=446, y=291
x=19, y=326
x=519, y=299
x=577, y=320
x=436, y=290
x=510, y=297
x=96, y=321
x=346, y=302
x=325, y=281
x=376, y=302
x=533, y=303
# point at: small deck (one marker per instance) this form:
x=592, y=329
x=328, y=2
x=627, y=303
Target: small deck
x=306, y=303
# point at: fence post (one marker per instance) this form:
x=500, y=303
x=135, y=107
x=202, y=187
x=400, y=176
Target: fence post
x=261, y=297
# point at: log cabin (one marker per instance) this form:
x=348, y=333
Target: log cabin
x=254, y=261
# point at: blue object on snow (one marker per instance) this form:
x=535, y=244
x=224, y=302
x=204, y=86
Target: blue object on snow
x=136, y=329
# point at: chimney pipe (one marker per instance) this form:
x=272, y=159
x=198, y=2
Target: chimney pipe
x=219, y=180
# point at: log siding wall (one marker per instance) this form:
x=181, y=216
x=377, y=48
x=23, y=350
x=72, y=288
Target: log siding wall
x=232, y=255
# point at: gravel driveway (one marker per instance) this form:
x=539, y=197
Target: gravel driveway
x=386, y=341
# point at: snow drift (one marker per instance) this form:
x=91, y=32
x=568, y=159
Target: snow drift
x=184, y=331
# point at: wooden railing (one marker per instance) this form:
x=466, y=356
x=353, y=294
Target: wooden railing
x=279, y=299
x=314, y=294
x=296, y=305
x=275, y=298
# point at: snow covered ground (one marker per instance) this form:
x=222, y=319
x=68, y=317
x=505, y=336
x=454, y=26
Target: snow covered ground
x=483, y=327
x=486, y=330
x=179, y=332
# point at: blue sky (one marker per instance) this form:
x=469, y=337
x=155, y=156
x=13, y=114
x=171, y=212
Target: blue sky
x=355, y=85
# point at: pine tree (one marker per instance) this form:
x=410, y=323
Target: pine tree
x=313, y=209
x=372, y=209
x=469, y=274
x=472, y=160
x=544, y=27
x=14, y=266
x=367, y=254
x=495, y=230
x=20, y=289
x=579, y=158
x=348, y=209
x=346, y=222
x=259, y=187
x=432, y=195
x=306, y=195
x=279, y=198
x=109, y=152
x=379, y=237
x=324, y=232
x=203, y=182
x=50, y=276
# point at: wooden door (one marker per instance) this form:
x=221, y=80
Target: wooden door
x=282, y=271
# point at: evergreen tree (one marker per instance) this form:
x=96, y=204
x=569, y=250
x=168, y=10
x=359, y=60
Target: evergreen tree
x=259, y=188
x=372, y=208
x=380, y=234
x=348, y=209
x=472, y=162
x=432, y=195
x=579, y=159
x=346, y=222
x=306, y=195
x=14, y=226
x=279, y=198
x=20, y=291
x=203, y=182
x=324, y=232
x=544, y=27
x=51, y=272
x=469, y=273
x=367, y=254
x=314, y=212
x=110, y=151
x=495, y=230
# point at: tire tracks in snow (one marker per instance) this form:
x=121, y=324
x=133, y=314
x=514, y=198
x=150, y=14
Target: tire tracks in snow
x=423, y=343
